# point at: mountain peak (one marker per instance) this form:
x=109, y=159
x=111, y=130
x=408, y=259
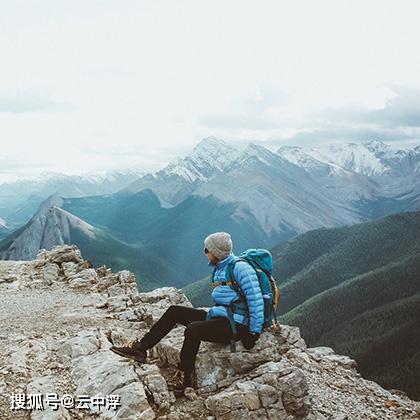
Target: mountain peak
x=68, y=221
x=377, y=147
x=50, y=226
x=212, y=141
x=208, y=158
x=52, y=201
x=212, y=147
x=263, y=154
x=355, y=157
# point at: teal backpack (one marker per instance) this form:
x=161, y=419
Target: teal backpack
x=262, y=262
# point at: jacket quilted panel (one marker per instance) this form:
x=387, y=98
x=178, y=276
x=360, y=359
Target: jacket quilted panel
x=247, y=280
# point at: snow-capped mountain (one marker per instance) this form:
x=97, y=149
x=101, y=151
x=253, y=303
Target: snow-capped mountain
x=281, y=196
x=294, y=188
x=261, y=196
x=209, y=158
x=281, y=193
x=376, y=176
x=372, y=158
x=353, y=157
x=179, y=178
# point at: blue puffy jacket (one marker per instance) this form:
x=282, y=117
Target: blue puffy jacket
x=247, y=279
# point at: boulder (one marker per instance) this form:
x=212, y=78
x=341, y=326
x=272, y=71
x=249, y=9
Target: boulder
x=274, y=390
x=96, y=370
x=216, y=365
x=50, y=273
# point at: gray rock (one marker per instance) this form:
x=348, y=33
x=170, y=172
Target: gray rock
x=127, y=277
x=116, y=290
x=278, y=379
x=50, y=272
x=156, y=385
x=274, y=388
x=98, y=371
x=215, y=364
x=44, y=385
x=84, y=278
x=342, y=360
x=86, y=342
x=319, y=352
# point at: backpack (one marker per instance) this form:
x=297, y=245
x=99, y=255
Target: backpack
x=262, y=262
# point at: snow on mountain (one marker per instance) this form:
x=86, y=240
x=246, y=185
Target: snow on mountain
x=179, y=178
x=280, y=196
x=349, y=185
x=210, y=157
x=293, y=189
x=19, y=200
x=373, y=158
x=300, y=158
x=48, y=183
x=290, y=189
x=97, y=177
x=354, y=157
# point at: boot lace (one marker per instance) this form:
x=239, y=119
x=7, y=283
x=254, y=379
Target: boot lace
x=177, y=377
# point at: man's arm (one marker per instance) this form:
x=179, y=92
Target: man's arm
x=247, y=280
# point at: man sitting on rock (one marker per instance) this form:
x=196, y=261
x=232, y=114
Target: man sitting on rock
x=226, y=322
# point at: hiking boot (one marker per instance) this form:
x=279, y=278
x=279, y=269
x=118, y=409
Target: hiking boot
x=133, y=350
x=179, y=381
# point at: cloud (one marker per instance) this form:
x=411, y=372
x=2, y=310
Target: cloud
x=350, y=133
x=401, y=110
x=398, y=119
x=30, y=101
x=143, y=83
x=259, y=111
x=240, y=121
x=18, y=165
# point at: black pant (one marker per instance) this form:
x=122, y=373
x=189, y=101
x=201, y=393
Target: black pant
x=216, y=330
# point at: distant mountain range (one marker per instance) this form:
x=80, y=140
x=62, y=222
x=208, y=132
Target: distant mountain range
x=52, y=225
x=357, y=290
x=20, y=200
x=294, y=189
x=172, y=235
x=263, y=197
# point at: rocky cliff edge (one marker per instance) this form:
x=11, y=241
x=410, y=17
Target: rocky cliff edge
x=59, y=316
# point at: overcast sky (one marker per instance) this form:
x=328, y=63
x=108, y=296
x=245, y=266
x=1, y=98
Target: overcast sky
x=93, y=85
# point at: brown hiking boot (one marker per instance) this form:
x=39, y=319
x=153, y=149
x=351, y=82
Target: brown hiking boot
x=179, y=381
x=133, y=350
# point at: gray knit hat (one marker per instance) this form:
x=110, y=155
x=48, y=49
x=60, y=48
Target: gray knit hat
x=219, y=244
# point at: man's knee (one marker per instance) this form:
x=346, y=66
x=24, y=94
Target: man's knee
x=174, y=309
x=193, y=330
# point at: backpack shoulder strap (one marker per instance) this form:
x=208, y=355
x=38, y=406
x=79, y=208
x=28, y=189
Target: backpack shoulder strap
x=231, y=275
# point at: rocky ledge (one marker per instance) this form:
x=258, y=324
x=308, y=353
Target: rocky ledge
x=59, y=316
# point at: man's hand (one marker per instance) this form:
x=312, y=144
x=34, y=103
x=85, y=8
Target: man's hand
x=249, y=340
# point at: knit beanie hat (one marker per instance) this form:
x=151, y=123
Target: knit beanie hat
x=219, y=244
